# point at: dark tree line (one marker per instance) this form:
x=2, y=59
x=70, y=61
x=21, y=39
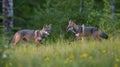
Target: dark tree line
x=33, y=14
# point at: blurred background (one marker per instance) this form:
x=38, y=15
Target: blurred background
x=33, y=14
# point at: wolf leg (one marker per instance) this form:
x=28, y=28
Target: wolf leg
x=76, y=38
x=25, y=41
x=38, y=42
x=16, y=39
x=73, y=39
x=96, y=37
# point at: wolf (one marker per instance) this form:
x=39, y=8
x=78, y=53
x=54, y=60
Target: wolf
x=36, y=35
x=82, y=31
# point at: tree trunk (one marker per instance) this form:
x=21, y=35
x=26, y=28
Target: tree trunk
x=80, y=6
x=112, y=7
x=7, y=12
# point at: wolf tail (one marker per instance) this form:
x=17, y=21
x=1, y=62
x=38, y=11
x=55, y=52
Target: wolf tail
x=12, y=39
x=103, y=35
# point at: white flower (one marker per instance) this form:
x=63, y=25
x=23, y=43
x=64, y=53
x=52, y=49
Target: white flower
x=6, y=46
x=4, y=56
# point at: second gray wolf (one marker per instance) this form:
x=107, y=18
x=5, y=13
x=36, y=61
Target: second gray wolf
x=83, y=31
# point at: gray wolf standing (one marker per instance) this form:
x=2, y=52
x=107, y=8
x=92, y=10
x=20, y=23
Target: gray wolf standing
x=82, y=31
x=36, y=35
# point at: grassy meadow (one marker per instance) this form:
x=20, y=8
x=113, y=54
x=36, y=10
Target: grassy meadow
x=64, y=54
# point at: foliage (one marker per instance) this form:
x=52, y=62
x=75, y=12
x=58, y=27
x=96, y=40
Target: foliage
x=4, y=58
x=34, y=14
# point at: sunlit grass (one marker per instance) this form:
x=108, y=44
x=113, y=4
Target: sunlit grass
x=64, y=54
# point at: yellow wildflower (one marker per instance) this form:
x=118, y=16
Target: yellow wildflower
x=33, y=48
x=84, y=55
x=90, y=57
x=118, y=42
x=111, y=38
x=47, y=59
x=93, y=43
x=71, y=57
x=104, y=51
x=115, y=65
x=65, y=62
x=6, y=65
x=117, y=60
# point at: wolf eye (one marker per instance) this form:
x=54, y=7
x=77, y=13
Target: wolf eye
x=48, y=30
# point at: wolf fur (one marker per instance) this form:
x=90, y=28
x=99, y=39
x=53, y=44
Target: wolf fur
x=36, y=35
x=83, y=31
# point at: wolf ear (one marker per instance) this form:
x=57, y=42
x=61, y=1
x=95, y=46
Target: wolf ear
x=44, y=26
x=97, y=26
x=70, y=21
x=49, y=25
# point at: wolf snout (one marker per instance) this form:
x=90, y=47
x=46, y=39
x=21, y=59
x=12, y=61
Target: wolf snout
x=47, y=33
x=67, y=30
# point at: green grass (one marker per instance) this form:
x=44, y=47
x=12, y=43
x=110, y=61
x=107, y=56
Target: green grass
x=62, y=54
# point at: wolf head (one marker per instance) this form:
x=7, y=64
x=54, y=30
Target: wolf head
x=46, y=29
x=70, y=26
